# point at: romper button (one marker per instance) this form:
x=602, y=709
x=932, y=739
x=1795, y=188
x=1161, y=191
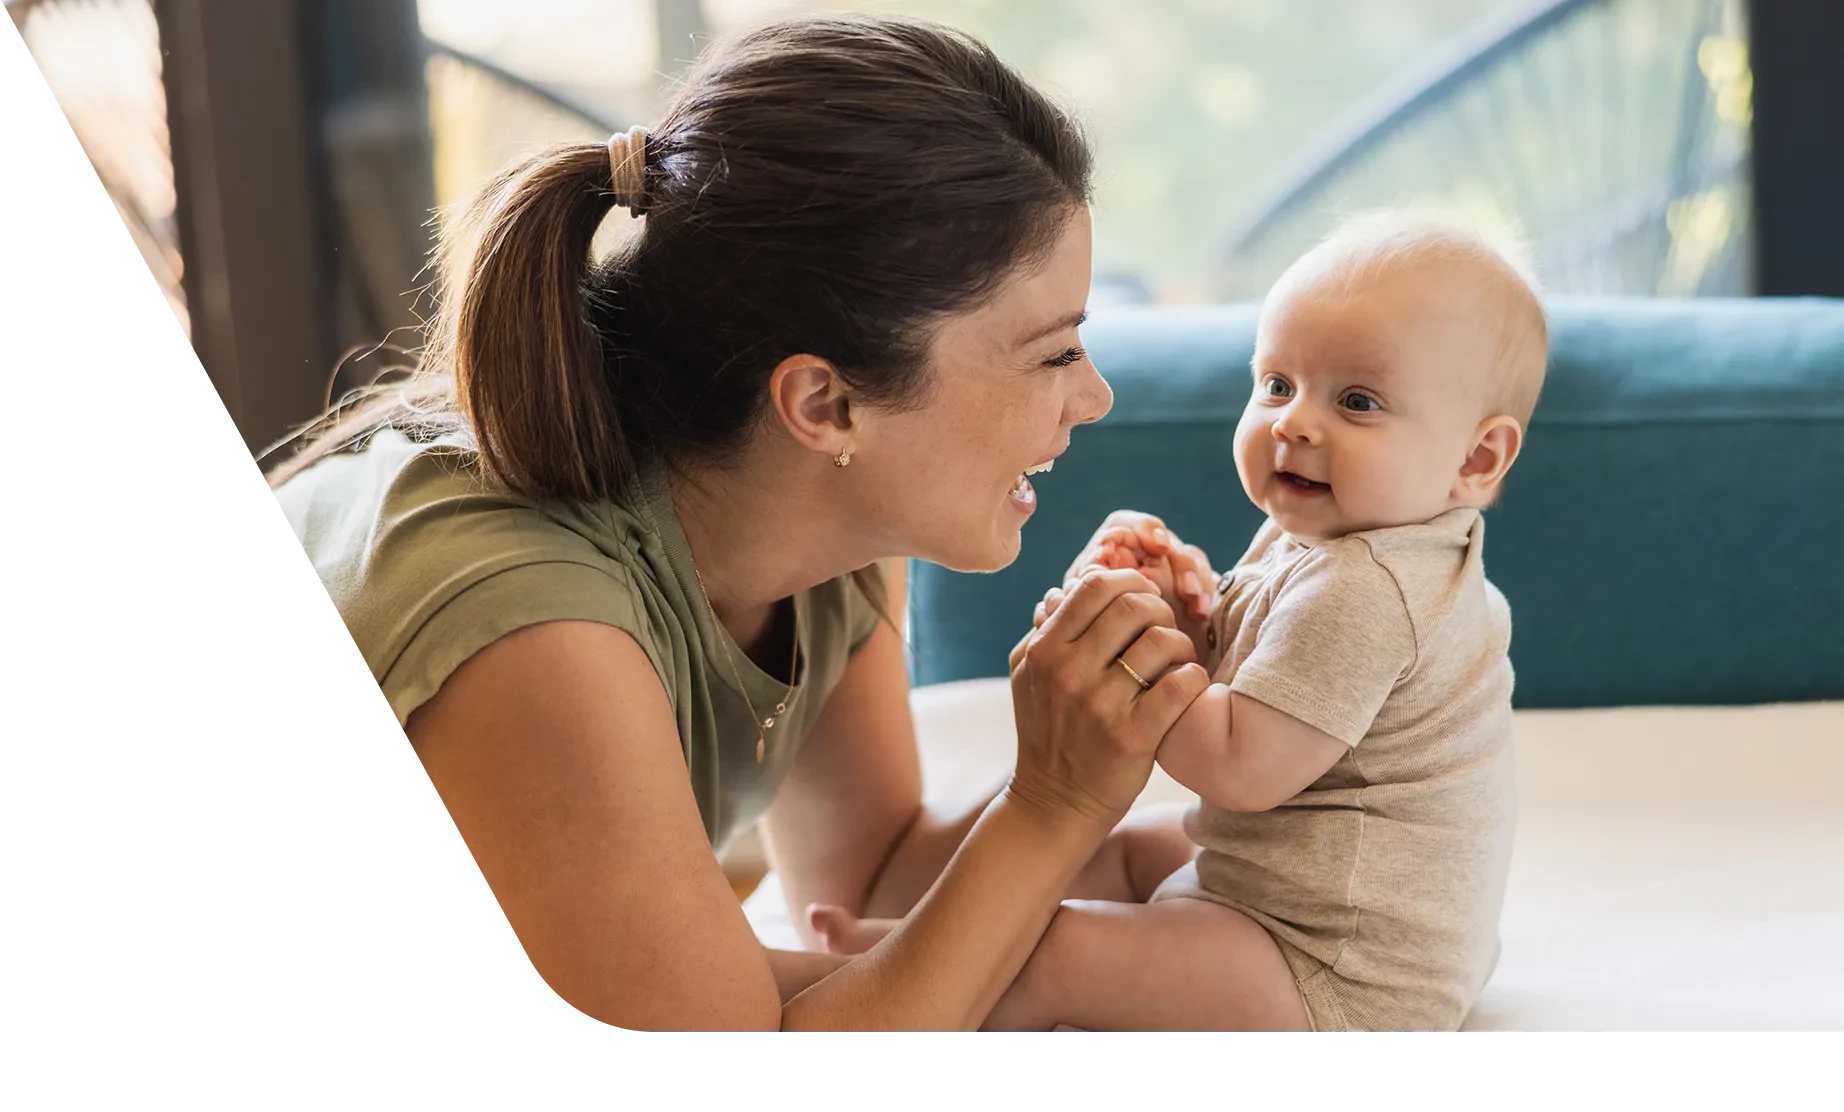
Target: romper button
x=1210, y=637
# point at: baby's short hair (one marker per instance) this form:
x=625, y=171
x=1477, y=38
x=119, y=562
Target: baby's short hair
x=1377, y=243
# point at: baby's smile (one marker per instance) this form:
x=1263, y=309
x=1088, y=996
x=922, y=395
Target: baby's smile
x=1301, y=485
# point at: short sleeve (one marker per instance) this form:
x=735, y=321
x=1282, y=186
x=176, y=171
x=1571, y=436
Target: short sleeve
x=502, y=603
x=428, y=563
x=867, y=604
x=1336, y=641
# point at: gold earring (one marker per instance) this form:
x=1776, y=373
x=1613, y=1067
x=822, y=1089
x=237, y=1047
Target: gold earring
x=843, y=459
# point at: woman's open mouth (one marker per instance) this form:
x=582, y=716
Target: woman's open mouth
x=1300, y=484
x=1022, y=492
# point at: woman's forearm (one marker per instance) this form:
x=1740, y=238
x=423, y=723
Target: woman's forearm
x=918, y=859
x=935, y=971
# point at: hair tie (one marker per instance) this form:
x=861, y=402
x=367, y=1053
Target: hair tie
x=627, y=164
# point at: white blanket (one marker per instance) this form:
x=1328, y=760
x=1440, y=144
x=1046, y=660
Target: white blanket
x=1674, y=869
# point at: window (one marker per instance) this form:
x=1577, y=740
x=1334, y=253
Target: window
x=1609, y=136
x=1613, y=139
x=101, y=59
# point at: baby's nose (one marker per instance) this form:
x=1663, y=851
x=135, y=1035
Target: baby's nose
x=1292, y=424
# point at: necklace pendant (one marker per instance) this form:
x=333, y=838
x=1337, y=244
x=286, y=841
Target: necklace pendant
x=761, y=749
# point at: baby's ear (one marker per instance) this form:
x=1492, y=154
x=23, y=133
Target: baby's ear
x=1495, y=448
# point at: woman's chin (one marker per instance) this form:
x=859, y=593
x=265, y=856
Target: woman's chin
x=997, y=554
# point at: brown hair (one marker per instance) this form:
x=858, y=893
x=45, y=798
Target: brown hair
x=829, y=185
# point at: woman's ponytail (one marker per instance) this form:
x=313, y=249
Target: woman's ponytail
x=529, y=372
x=512, y=361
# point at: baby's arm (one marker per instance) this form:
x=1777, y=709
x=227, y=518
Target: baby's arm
x=1240, y=754
x=1333, y=646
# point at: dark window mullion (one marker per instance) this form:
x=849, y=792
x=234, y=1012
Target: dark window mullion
x=1798, y=146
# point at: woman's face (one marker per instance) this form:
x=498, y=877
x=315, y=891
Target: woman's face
x=1008, y=381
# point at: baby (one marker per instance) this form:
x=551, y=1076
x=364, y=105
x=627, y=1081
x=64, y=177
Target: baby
x=1353, y=756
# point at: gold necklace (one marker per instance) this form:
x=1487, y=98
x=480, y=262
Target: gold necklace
x=763, y=725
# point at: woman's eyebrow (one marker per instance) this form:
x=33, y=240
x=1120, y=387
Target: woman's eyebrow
x=1072, y=321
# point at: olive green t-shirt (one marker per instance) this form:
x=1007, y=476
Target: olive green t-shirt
x=429, y=563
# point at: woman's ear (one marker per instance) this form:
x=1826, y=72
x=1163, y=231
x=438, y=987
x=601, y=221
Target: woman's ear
x=1495, y=448
x=813, y=404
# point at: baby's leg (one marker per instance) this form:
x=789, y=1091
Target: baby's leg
x=1177, y=965
x=1149, y=845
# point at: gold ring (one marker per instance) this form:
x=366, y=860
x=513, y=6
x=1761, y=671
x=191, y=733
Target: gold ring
x=1137, y=678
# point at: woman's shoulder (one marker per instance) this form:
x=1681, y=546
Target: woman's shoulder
x=396, y=509
x=850, y=607
x=428, y=561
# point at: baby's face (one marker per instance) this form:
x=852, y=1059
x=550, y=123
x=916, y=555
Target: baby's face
x=1367, y=401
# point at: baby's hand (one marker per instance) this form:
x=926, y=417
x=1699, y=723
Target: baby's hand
x=1158, y=568
x=1127, y=551
x=1125, y=548
x=1180, y=571
x=1191, y=610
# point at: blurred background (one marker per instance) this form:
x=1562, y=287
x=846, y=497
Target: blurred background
x=278, y=161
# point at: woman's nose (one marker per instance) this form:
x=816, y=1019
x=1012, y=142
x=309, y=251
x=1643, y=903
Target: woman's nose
x=1091, y=400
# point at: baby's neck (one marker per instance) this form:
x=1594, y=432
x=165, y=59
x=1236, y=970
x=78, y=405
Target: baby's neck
x=1310, y=539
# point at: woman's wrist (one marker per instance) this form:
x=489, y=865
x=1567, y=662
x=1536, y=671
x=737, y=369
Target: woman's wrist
x=1060, y=806
x=1053, y=818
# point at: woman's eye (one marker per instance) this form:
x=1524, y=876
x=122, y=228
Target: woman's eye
x=1361, y=403
x=1276, y=388
x=1073, y=355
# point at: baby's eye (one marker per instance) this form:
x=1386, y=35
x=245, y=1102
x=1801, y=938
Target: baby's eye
x=1361, y=403
x=1276, y=387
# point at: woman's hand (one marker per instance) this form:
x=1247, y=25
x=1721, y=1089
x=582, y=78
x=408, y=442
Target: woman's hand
x=1087, y=731
x=1129, y=538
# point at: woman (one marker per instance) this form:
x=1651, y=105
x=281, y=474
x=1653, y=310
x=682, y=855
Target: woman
x=611, y=554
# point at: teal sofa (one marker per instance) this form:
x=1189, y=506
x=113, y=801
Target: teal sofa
x=1671, y=535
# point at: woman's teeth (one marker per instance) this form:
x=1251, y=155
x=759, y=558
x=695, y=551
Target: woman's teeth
x=1024, y=477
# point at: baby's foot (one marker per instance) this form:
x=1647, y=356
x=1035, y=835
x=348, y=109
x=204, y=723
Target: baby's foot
x=845, y=933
